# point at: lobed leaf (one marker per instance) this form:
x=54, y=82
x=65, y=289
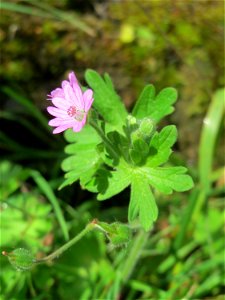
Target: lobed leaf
x=86, y=135
x=84, y=158
x=168, y=179
x=160, y=146
x=155, y=107
x=106, y=100
x=141, y=108
x=112, y=183
x=142, y=202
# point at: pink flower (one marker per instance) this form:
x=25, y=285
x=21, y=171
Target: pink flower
x=71, y=105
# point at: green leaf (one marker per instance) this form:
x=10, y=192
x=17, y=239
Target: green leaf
x=135, y=156
x=22, y=207
x=11, y=178
x=155, y=107
x=108, y=81
x=160, y=146
x=139, y=144
x=140, y=148
x=168, y=179
x=78, y=164
x=112, y=183
x=106, y=100
x=141, y=108
x=87, y=179
x=84, y=159
x=86, y=136
x=142, y=202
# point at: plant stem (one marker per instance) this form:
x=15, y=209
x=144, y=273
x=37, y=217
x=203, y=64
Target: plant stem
x=62, y=249
x=104, y=138
x=134, y=255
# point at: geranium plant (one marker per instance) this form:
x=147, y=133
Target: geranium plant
x=110, y=149
x=117, y=149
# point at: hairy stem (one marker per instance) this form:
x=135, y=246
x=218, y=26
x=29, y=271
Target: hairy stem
x=62, y=249
x=104, y=139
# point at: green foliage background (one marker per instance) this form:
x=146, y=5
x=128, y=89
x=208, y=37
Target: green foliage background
x=165, y=43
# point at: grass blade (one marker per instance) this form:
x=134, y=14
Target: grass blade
x=44, y=10
x=35, y=130
x=186, y=220
x=31, y=108
x=24, y=9
x=47, y=190
x=209, y=134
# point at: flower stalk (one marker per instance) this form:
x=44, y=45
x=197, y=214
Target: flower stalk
x=107, y=143
x=118, y=234
x=65, y=247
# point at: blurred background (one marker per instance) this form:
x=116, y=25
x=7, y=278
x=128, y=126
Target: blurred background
x=164, y=42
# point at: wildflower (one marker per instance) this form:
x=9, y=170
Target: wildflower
x=71, y=105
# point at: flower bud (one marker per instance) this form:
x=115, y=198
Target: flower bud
x=131, y=120
x=117, y=233
x=122, y=236
x=146, y=129
x=132, y=123
x=21, y=259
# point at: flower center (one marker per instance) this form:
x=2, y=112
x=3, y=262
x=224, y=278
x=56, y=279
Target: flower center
x=71, y=111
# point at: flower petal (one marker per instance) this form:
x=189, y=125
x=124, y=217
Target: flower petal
x=58, y=122
x=84, y=120
x=77, y=126
x=60, y=129
x=56, y=112
x=72, y=78
x=79, y=96
x=64, y=83
x=57, y=93
x=88, y=99
x=60, y=103
x=63, y=98
x=70, y=95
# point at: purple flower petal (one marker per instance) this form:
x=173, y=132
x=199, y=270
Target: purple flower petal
x=78, y=96
x=56, y=112
x=70, y=95
x=61, y=129
x=59, y=102
x=57, y=93
x=88, y=99
x=77, y=127
x=58, y=122
x=72, y=78
x=64, y=83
